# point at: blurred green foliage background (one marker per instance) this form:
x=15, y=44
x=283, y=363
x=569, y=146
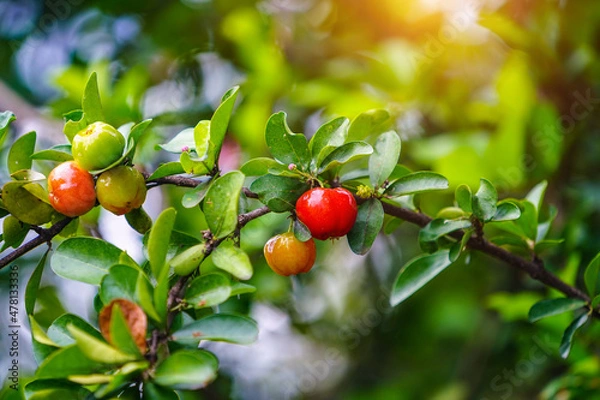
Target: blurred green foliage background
x=503, y=89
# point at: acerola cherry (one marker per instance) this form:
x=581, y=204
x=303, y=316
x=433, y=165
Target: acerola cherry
x=328, y=213
x=97, y=146
x=71, y=189
x=286, y=255
x=121, y=189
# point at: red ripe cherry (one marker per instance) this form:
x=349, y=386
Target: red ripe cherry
x=286, y=255
x=71, y=189
x=327, y=213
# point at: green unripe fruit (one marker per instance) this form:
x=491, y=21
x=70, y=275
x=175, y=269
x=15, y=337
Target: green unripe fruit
x=97, y=146
x=121, y=189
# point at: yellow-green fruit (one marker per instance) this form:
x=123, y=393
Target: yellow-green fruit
x=97, y=146
x=121, y=189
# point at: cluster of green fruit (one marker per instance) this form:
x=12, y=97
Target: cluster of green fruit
x=72, y=189
x=327, y=213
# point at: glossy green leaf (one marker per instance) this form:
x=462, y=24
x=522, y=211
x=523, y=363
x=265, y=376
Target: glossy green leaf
x=135, y=134
x=24, y=205
x=98, y=350
x=260, y=166
x=544, y=227
x=417, y=182
x=279, y=193
x=208, y=290
x=193, y=197
x=182, y=142
x=218, y=327
x=368, y=123
x=286, y=146
x=60, y=335
x=233, y=260
x=74, y=122
x=167, y=169
x=158, y=240
x=592, y=276
x=188, y=260
x=301, y=231
x=6, y=118
x=464, y=198
x=528, y=222
x=507, y=211
x=42, y=389
x=29, y=175
x=451, y=213
x=441, y=227
x=546, y=245
x=139, y=220
x=238, y=288
x=565, y=343
x=92, y=107
x=86, y=259
x=484, y=201
x=19, y=155
x=221, y=203
x=144, y=293
x=59, y=153
x=187, y=370
x=68, y=361
x=417, y=273
x=120, y=335
x=458, y=247
x=202, y=139
x=344, y=154
x=191, y=165
x=219, y=123
x=384, y=158
x=13, y=232
x=155, y=392
x=31, y=291
x=327, y=138
x=38, y=334
x=369, y=222
x=548, y=308
x=119, y=283
x=536, y=195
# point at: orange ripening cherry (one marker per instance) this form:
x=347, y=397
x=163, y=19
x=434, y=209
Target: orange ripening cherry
x=327, y=213
x=71, y=189
x=286, y=255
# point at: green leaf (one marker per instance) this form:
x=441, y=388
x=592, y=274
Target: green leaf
x=548, y=308
x=547, y=244
x=191, y=165
x=384, y=158
x=369, y=222
x=507, y=211
x=592, y=276
x=220, y=328
x=42, y=389
x=194, y=196
x=19, y=155
x=458, y=247
x=187, y=370
x=417, y=182
x=221, y=204
x=139, y=220
x=536, y=195
x=208, y=290
x=440, y=227
x=286, y=146
x=368, y=123
x=38, y=334
x=120, y=335
x=31, y=291
x=59, y=153
x=301, y=231
x=219, y=123
x=13, y=232
x=484, y=201
x=188, y=260
x=464, y=198
x=279, y=193
x=565, y=343
x=92, y=107
x=233, y=260
x=60, y=335
x=6, y=118
x=144, y=293
x=66, y=362
x=86, y=259
x=528, y=222
x=74, y=122
x=24, y=205
x=182, y=142
x=418, y=272
x=119, y=283
x=167, y=169
x=202, y=139
x=133, y=139
x=158, y=241
x=261, y=166
x=238, y=288
x=155, y=392
x=327, y=138
x=29, y=175
x=98, y=350
x=344, y=154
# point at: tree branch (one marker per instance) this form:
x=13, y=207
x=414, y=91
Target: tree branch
x=44, y=235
